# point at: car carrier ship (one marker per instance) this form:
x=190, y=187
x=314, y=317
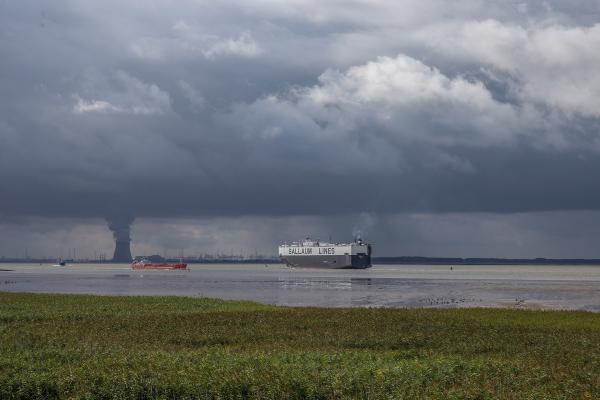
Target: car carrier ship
x=315, y=254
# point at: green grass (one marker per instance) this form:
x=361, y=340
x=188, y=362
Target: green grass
x=96, y=347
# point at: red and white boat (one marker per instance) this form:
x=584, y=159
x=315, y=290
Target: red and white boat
x=146, y=264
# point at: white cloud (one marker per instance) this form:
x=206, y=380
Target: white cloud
x=126, y=95
x=84, y=106
x=396, y=99
x=243, y=46
x=554, y=65
x=395, y=81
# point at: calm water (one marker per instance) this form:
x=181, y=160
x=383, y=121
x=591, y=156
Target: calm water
x=544, y=287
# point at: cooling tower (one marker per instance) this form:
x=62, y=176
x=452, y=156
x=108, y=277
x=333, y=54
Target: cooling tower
x=122, y=252
x=120, y=225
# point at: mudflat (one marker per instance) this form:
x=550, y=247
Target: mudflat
x=442, y=286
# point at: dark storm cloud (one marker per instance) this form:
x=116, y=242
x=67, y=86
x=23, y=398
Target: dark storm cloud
x=302, y=107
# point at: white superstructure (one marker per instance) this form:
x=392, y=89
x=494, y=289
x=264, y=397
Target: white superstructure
x=315, y=247
x=317, y=254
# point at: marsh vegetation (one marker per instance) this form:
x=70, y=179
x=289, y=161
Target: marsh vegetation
x=99, y=347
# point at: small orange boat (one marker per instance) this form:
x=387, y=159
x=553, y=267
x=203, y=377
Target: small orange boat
x=145, y=264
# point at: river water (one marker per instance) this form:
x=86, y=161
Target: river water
x=515, y=286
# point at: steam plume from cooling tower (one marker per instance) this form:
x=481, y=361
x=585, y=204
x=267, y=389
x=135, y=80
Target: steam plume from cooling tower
x=120, y=226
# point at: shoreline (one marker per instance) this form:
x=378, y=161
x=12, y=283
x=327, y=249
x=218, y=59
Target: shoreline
x=551, y=287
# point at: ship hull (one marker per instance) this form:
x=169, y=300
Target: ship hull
x=158, y=266
x=361, y=261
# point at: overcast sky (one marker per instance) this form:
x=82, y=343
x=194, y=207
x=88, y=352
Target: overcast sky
x=462, y=128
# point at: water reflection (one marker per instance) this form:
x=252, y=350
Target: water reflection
x=292, y=284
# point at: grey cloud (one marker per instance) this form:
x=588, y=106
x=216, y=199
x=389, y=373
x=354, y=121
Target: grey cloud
x=297, y=108
x=542, y=234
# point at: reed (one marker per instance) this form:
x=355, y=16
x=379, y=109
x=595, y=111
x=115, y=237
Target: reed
x=100, y=347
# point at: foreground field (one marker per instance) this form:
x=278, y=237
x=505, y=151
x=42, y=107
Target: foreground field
x=68, y=346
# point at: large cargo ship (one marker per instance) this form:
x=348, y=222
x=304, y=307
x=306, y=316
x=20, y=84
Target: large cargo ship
x=315, y=254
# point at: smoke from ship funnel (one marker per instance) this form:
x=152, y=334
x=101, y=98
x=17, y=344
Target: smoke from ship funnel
x=120, y=227
x=365, y=222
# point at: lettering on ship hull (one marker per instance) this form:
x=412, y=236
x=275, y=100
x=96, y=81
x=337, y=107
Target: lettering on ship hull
x=313, y=254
